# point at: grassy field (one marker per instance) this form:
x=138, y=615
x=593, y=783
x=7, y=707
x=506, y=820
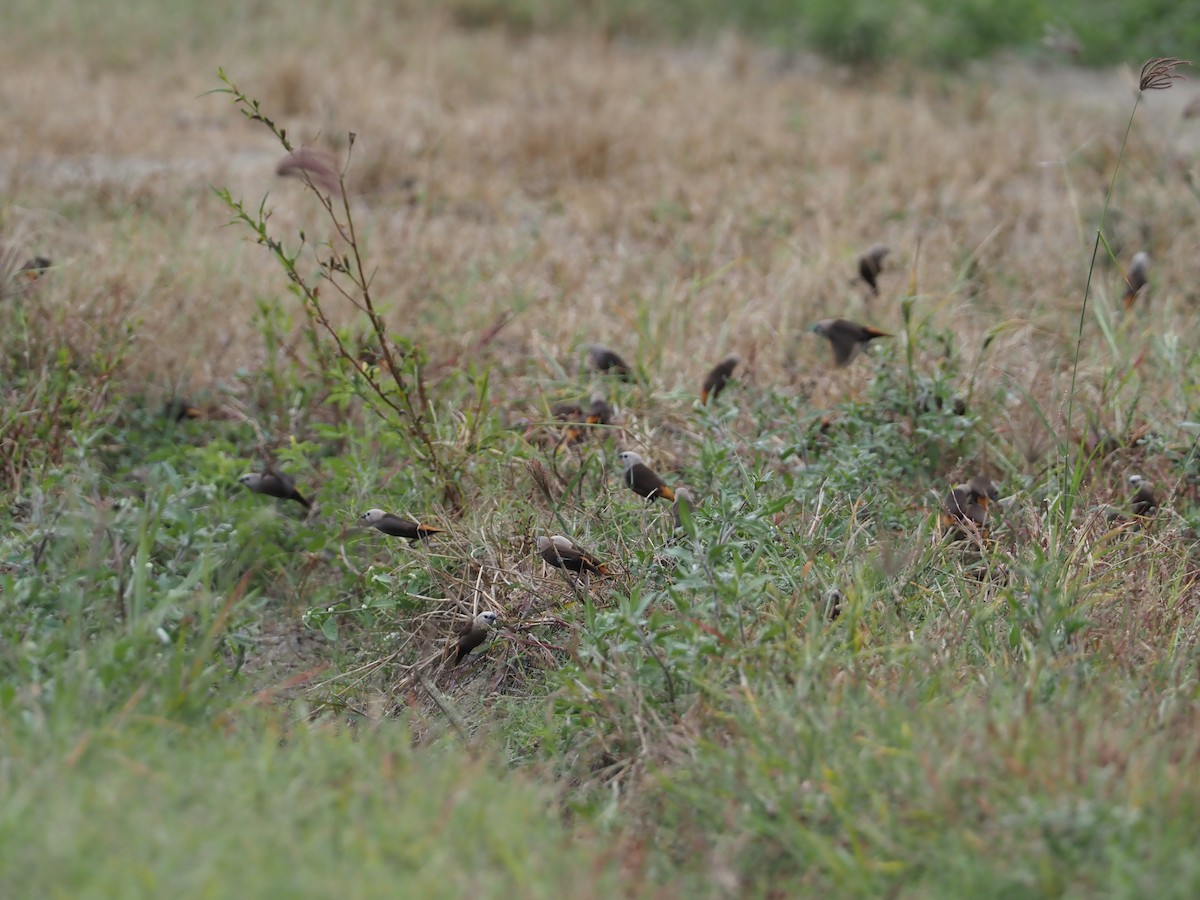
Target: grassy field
x=208, y=691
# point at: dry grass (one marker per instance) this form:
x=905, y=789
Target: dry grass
x=676, y=204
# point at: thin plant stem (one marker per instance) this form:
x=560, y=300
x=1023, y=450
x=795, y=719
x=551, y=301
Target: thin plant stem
x=1087, y=288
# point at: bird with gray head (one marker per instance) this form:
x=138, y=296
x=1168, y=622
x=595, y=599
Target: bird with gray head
x=644, y=481
x=563, y=553
x=273, y=484
x=607, y=362
x=473, y=633
x=394, y=525
x=1144, y=504
x=848, y=339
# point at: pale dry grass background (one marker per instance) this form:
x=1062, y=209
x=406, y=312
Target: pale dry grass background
x=676, y=203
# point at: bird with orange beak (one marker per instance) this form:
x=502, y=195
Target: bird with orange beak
x=966, y=508
x=563, y=553
x=848, y=339
x=718, y=377
x=643, y=480
x=599, y=411
x=1137, y=277
x=394, y=525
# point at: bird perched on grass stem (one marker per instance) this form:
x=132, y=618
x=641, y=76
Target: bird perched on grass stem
x=274, y=484
x=562, y=553
x=472, y=634
x=718, y=377
x=642, y=479
x=847, y=338
x=389, y=523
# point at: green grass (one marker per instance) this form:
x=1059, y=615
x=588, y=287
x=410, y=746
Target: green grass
x=870, y=32
x=146, y=807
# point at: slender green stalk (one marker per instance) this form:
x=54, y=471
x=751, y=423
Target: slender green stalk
x=1087, y=288
x=1157, y=74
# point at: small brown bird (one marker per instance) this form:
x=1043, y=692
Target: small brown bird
x=606, y=361
x=314, y=166
x=368, y=357
x=966, y=508
x=598, y=412
x=715, y=380
x=389, y=523
x=178, y=409
x=833, y=604
x=1144, y=503
x=562, y=553
x=472, y=634
x=1137, y=277
x=644, y=480
x=847, y=338
x=572, y=413
x=870, y=264
x=34, y=268
x=274, y=484
x=567, y=411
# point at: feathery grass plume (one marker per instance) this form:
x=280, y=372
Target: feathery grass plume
x=314, y=166
x=1159, y=73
